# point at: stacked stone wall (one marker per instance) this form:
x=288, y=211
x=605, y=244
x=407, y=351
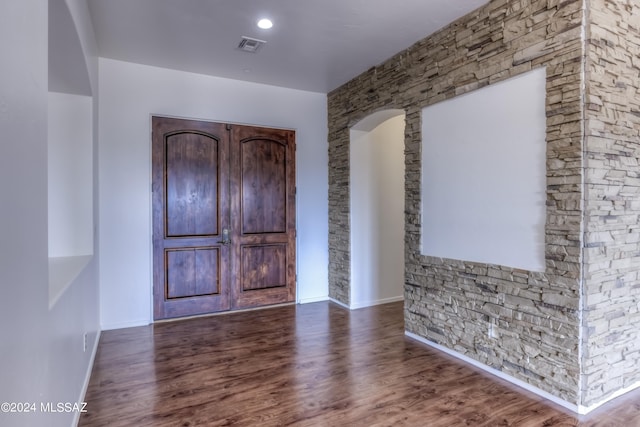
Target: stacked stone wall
x=523, y=323
x=611, y=356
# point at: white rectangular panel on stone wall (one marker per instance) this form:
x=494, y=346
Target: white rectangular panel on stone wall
x=484, y=174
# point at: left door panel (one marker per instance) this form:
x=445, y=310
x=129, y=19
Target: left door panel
x=190, y=186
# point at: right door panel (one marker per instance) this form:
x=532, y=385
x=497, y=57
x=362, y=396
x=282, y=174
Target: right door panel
x=263, y=200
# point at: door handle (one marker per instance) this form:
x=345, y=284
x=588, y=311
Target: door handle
x=226, y=240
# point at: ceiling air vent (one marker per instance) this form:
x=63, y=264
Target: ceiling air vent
x=250, y=45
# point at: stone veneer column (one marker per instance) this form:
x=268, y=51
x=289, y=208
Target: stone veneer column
x=611, y=304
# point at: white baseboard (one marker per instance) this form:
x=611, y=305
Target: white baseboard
x=368, y=303
x=587, y=409
x=579, y=409
x=340, y=303
x=314, y=299
x=570, y=406
x=87, y=377
x=358, y=305
x=123, y=325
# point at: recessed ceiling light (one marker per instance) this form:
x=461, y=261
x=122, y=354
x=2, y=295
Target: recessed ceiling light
x=265, y=23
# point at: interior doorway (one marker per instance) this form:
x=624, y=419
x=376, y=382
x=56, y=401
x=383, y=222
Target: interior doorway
x=377, y=209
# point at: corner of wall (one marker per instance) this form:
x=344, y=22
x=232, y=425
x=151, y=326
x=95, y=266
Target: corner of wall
x=611, y=295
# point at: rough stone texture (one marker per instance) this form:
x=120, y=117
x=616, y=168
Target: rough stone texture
x=526, y=324
x=523, y=323
x=611, y=349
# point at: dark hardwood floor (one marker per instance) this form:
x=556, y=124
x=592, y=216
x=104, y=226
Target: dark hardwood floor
x=307, y=365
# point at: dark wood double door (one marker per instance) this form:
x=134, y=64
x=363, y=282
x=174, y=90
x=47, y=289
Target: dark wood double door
x=223, y=216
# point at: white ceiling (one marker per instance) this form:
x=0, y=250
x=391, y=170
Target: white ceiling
x=315, y=45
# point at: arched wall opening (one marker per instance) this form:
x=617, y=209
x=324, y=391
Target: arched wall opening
x=377, y=209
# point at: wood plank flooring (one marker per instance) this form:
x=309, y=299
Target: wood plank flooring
x=307, y=365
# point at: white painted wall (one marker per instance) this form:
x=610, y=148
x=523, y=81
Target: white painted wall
x=23, y=191
x=377, y=212
x=129, y=95
x=41, y=353
x=70, y=175
x=484, y=174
